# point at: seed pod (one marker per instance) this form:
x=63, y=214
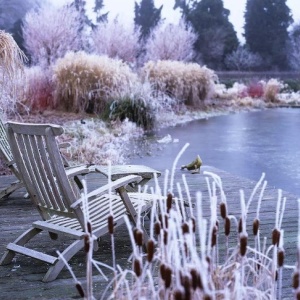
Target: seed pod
x=165, y=237
x=207, y=297
x=185, y=228
x=163, y=220
x=137, y=267
x=162, y=270
x=169, y=202
x=280, y=258
x=298, y=295
x=157, y=228
x=110, y=221
x=243, y=244
x=89, y=227
x=178, y=295
x=223, y=210
x=240, y=226
x=138, y=237
x=193, y=224
x=214, y=237
x=276, y=275
x=296, y=280
x=257, y=265
x=227, y=226
x=255, y=226
x=186, y=283
x=275, y=236
x=86, y=243
x=80, y=289
x=168, y=277
x=194, y=275
x=150, y=250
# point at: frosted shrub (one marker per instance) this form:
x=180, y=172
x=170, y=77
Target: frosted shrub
x=171, y=42
x=188, y=82
x=38, y=90
x=271, y=89
x=93, y=142
x=50, y=32
x=86, y=82
x=116, y=40
x=242, y=60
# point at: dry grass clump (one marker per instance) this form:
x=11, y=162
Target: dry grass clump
x=85, y=82
x=188, y=82
x=271, y=89
x=11, y=67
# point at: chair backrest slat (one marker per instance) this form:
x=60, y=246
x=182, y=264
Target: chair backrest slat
x=38, y=158
x=4, y=145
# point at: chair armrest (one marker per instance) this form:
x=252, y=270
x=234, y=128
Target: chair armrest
x=77, y=170
x=113, y=186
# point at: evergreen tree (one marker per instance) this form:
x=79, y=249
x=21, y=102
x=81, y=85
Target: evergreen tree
x=98, y=7
x=216, y=35
x=147, y=16
x=266, y=31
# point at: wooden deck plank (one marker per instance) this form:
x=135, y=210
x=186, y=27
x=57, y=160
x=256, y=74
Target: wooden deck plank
x=22, y=279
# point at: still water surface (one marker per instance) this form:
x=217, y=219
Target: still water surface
x=245, y=144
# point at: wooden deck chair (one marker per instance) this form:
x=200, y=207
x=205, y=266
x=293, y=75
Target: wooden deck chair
x=7, y=155
x=41, y=169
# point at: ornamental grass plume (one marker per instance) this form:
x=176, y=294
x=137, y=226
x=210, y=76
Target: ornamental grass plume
x=86, y=82
x=189, y=83
x=11, y=69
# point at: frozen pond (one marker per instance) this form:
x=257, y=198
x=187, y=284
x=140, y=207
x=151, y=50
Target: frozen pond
x=244, y=144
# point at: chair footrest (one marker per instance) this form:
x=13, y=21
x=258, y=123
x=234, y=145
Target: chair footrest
x=32, y=253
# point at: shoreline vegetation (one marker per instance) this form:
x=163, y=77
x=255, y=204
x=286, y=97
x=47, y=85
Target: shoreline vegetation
x=184, y=262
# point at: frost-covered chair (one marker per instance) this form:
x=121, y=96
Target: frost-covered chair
x=51, y=189
x=7, y=156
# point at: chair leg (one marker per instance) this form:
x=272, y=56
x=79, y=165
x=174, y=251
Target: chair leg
x=20, y=241
x=132, y=212
x=10, y=189
x=68, y=253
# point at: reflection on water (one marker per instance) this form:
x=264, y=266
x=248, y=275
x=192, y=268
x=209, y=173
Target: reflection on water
x=245, y=144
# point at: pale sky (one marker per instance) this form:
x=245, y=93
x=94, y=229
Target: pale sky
x=125, y=10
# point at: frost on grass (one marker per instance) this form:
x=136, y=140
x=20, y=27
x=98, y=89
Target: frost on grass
x=96, y=142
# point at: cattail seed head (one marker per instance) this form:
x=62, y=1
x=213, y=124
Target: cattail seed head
x=185, y=228
x=169, y=202
x=165, y=237
x=227, y=226
x=296, y=280
x=196, y=279
x=168, y=277
x=240, y=226
x=298, y=295
x=193, y=224
x=110, y=221
x=207, y=297
x=89, y=227
x=162, y=270
x=80, y=289
x=243, y=244
x=186, y=283
x=157, y=228
x=86, y=243
x=163, y=220
x=137, y=267
x=223, y=210
x=138, y=237
x=280, y=258
x=275, y=236
x=178, y=295
x=214, y=236
x=255, y=226
x=150, y=250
